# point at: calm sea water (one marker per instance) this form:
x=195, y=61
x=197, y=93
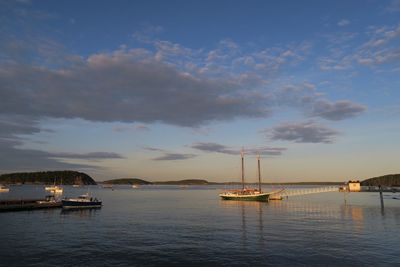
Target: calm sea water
x=168, y=225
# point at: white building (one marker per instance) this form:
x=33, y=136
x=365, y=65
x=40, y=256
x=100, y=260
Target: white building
x=354, y=186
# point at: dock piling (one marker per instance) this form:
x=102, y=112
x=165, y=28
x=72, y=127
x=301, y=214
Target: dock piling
x=381, y=197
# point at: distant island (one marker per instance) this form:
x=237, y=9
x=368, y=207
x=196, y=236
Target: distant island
x=132, y=181
x=80, y=178
x=138, y=181
x=203, y=182
x=47, y=177
x=385, y=180
x=185, y=182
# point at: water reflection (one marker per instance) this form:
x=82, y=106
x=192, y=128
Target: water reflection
x=80, y=213
x=250, y=211
x=253, y=215
x=355, y=215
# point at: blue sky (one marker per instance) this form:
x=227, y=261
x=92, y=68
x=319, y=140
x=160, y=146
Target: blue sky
x=165, y=90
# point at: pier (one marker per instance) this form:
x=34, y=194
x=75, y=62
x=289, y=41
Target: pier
x=28, y=204
x=304, y=191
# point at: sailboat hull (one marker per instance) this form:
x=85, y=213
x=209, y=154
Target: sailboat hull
x=245, y=197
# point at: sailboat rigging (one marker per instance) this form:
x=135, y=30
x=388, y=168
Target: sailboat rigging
x=246, y=193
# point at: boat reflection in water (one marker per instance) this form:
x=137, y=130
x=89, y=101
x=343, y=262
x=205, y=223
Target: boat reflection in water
x=256, y=221
x=251, y=213
x=80, y=213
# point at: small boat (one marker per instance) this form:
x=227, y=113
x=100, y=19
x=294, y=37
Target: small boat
x=4, y=189
x=55, y=189
x=76, y=185
x=82, y=202
x=135, y=186
x=246, y=193
x=50, y=188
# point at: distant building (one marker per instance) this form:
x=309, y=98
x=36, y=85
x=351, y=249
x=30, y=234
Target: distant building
x=354, y=186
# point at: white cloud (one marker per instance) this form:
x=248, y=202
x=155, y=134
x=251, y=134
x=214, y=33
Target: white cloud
x=306, y=132
x=343, y=22
x=394, y=6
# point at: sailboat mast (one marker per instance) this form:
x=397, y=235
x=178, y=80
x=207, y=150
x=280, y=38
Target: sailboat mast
x=242, y=155
x=259, y=174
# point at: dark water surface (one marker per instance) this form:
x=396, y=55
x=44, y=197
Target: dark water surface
x=167, y=225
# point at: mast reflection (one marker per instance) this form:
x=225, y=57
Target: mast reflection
x=251, y=213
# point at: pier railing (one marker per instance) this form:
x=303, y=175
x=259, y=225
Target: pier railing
x=304, y=191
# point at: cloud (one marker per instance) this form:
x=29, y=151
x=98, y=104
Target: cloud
x=166, y=155
x=88, y=156
x=174, y=156
x=149, y=148
x=14, y=128
x=123, y=87
x=214, y=147
x=13, y=158
x=218, y=148
x=380, y=48
x=337, y=110
x=343, y=22
x=394, y=6
x=125, y=128
x=165, y=82
x=306, y=132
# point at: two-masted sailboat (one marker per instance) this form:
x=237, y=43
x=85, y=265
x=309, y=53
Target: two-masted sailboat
x=248, y=193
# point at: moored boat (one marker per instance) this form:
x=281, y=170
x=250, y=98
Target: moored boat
x=246, y=193
x=81, y=202
x=55, y=189
x=4, y=189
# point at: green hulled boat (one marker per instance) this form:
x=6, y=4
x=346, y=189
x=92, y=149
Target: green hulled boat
x=247, y=194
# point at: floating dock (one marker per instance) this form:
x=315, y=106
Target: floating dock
x=28, y=204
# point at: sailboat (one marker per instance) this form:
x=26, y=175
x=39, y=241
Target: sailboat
x=54, y=188
x=247, y=193
x=4, y=189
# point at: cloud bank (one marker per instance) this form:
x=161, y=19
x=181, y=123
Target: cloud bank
x=218, y=148
x=306, y=132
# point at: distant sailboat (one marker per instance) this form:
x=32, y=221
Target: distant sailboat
x=4, y=189
x=55, y=189
x=246, y=193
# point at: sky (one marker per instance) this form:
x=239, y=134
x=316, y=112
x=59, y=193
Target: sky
x=170, y=90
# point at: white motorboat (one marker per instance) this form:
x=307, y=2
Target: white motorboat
x=81, y=202
x=4, y=189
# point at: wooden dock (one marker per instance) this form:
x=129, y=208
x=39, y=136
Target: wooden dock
x=28, y=204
